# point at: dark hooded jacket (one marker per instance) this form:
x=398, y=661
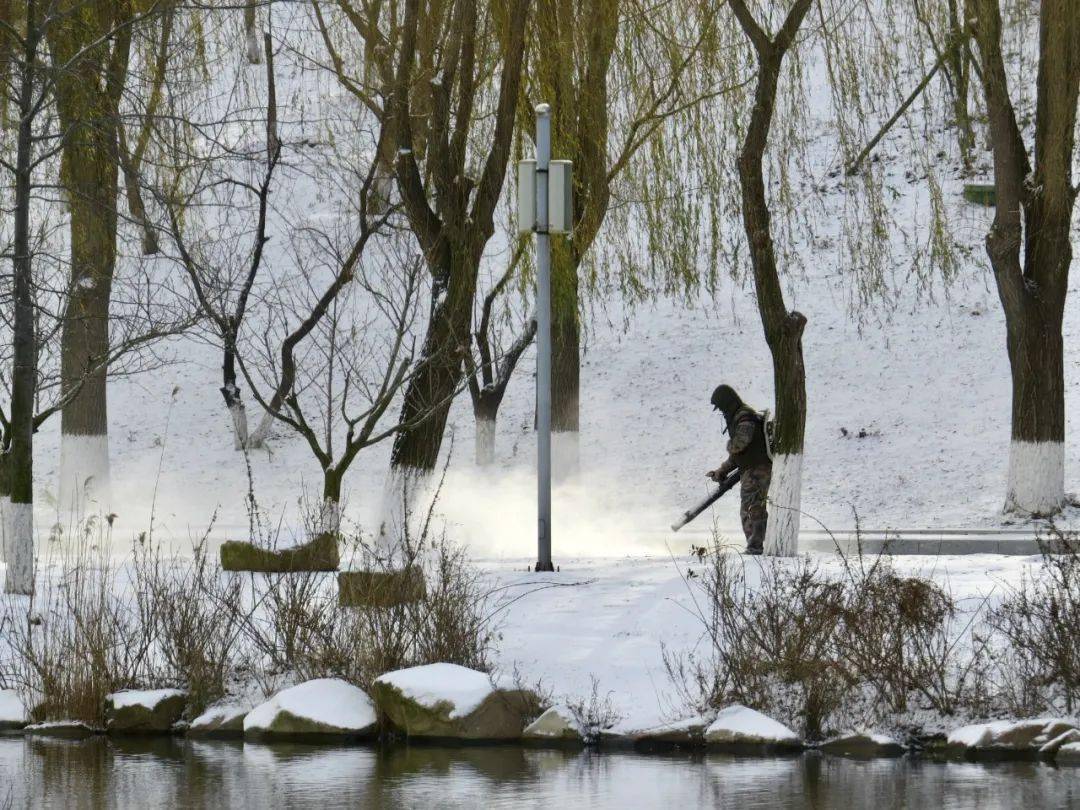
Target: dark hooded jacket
x=746, y=431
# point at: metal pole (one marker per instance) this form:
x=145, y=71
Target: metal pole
x=543, y=340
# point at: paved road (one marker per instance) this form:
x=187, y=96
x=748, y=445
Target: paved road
x=905, y=541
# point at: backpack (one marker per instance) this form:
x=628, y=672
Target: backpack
x=768, y=426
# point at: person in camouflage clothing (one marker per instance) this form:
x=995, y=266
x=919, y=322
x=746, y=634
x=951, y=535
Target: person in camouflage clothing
x=748, y=452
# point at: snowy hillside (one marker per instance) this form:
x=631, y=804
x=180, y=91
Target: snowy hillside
x=908, y=405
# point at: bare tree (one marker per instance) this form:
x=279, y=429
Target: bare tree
x=490, y=371
x=224, y=294
x=1029, y=243
x=343, y=350
x=783, y=328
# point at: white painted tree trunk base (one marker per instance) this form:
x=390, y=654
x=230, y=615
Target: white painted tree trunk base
x=565, y=456
x=19, y=548
x=402, y=513
x=328, y=521
x=6, y=526
x=240, y=426
x=785, y=500
x=485, y=442
x=254, y=46
x=1036, y=478
x=84, y=475
x=257, y=439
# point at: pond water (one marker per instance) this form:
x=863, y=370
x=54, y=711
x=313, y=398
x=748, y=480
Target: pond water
x=152, y=773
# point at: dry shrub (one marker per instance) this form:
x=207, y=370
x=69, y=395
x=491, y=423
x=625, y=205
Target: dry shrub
x=198, y=617
x=304, y=630
x=821, y=651
x=595, y=714
x=80, y=638
x=1039, y=620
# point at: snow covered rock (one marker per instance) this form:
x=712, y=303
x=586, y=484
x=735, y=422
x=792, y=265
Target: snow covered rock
x=143, y=712
x=557, y=724
x=679, y=733
x=1068, y=754
x=12, y=711
x=61, y=729
x=738, y=726
x=1051, y=748
x=222, y=720
x=1003, y=736
x=325, y=707
x=861, y=744
x=452, y=702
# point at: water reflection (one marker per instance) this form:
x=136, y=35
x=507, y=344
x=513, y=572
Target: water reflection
x=140, y=773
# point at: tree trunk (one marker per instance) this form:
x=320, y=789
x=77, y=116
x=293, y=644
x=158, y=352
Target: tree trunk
x=565, y=366
x=5, y=501
x=91, y=179
x=87, y=95
x=19, y=519
x=428, y=397
x=1029, y=243
x=252, y=40
x=789, y=384
x=440, y=372
x=486, y=411
x=1036, y=483
x=328, y=521
x=783, y=329
x=136, y=205
x=230, y=392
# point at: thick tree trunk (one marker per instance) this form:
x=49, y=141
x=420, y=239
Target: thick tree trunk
x=1036, y=482
x=428, y=397
x=440, y=372
x=19, y=517
x=89, y=163
x=252, y=39
x=84, y=449
x=785, y=489
x=486, y=411
x=328, y=521
x=1029, y=244
x=5, y=502
x=565, y=368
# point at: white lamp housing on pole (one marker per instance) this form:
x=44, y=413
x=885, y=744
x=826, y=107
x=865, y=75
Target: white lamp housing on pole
x=544, y=206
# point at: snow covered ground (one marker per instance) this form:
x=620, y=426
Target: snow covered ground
x=909, y=399
x=610, y=619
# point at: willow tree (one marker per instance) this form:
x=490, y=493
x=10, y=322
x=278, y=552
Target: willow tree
x=616, y=72
x=1029, y=243
x=91, y=39
x=450, y=200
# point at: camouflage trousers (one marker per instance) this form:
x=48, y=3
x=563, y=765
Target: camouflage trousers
x=753, y=505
